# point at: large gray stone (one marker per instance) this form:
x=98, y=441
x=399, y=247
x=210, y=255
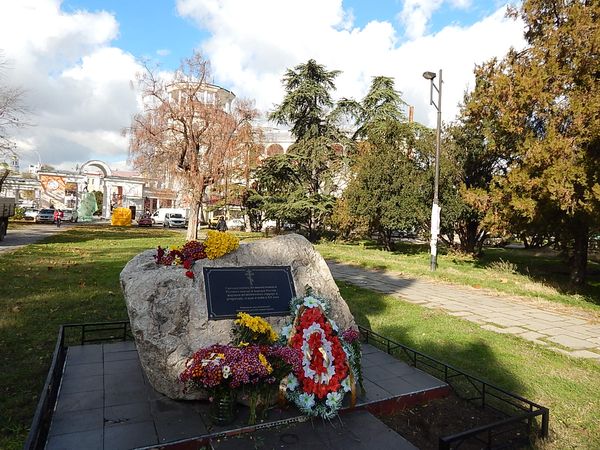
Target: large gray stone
x=168, y=311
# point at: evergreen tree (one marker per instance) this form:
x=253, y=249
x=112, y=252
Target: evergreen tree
x=307, y=172
x=392, y=168
x=545, y=103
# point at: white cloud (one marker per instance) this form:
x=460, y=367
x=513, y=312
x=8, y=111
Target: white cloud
x=415, y=14
x=163, y=52
x=78, y=87
x=251, y=46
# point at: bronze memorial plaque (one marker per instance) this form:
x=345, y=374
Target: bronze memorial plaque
x=257, y=290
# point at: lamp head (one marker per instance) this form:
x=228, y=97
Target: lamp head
x=429, y=75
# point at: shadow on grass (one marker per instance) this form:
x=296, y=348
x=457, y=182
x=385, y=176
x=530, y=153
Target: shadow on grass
x=544, y=266
x=539, y=265
x=91, y=232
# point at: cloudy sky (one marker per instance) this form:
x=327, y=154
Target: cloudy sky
x=77, y=59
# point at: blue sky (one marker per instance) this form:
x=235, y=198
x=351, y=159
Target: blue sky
x=148, y=27
x=77, y=60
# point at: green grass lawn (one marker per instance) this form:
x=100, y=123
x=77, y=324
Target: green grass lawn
x=528, y=273
x=74, y=277
x=569, y=387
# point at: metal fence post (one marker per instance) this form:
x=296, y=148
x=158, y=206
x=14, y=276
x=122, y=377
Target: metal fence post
x=545, y=422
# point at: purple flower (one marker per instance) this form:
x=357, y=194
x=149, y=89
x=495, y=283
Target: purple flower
x=350, y=335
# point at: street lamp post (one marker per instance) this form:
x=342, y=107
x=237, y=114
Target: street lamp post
x=435, y=209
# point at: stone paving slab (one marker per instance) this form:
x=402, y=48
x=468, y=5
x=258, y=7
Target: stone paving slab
x=578, y=336
x=571, y=342
x=358, y=430
x=105, y=402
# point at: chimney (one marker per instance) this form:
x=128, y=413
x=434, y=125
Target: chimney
x=411, y=114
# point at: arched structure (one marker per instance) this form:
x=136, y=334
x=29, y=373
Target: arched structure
x=118, y=188
x=106, y=172
x=97, y=182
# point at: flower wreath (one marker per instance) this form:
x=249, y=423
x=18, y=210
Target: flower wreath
x=328, y=367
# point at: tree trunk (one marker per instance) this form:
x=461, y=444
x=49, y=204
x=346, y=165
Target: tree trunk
x=386, y=238
x=3, y=177
x=580, y=256
x=471, y=238
x=312, y=227
x=194, y=219
x=192, y=230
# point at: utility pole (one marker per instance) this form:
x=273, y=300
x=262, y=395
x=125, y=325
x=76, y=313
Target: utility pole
x=435, y=209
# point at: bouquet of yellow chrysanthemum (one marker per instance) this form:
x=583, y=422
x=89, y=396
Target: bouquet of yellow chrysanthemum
x=249, y=329
x=218, y=244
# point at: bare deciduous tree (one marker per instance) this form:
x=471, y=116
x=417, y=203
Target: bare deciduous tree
x=185, y=132
x=12, y=111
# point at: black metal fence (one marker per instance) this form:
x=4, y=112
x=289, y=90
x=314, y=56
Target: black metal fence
x=68, y=334
x=520, y=415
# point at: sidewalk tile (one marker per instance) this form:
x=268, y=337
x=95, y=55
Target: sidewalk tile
x=538, y=326
x=532, y=335
x=464, y=314
x=504, y=321
x=508, y=330
x=586, y=354
x=571, y=342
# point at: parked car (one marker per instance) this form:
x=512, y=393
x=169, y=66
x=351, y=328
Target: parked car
x=45, y=216
x=70, y=215
x=30, y=214
x=158, y=216
x=144, y=221
x=174, y=220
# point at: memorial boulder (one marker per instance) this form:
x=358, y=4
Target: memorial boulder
x=173, y=315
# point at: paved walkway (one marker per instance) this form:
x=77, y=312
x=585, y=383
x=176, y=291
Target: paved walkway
x=554, y=327
x=28, y=233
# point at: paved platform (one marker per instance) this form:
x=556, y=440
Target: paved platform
x=546, y=324
x=106, y=402
x=358, y=430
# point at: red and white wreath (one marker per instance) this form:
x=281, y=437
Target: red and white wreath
x=319, y=386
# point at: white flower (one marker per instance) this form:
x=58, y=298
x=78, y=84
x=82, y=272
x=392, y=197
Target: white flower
x=334, y=400
x=334, y=325
x=346, y=384
x=226, y=371
x=285, y=331
x=311, y=302
x=292, y=382
x=307, y=401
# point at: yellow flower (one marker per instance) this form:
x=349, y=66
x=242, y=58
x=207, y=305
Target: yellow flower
x=218, y=244
x=265, y=363
x=257, y=325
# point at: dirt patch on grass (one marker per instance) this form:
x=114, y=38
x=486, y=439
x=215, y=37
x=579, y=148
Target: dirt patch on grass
x=423, y=425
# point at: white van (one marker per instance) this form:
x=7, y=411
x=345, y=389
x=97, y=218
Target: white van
x=158, y=216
